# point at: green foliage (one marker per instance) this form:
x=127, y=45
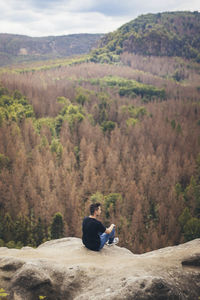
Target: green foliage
x=5, y=162
x=77, y=154
x=3, y=294
x=11, y=244
x=178, y=75
x=178, y=189
x=19, y=245
x=192, y=229
x=21, y=232
x=153, y=211
x=162, y=34
x=81, y=99
x=110, y=203
x=192, y=191
x=64, y=100
x=3, y=91
x=57, y=226
x=97, y=197
x=105, y=55
x=45, y=122
x=39, y=232
x=108, y=126
x=131, y=122
x=83, y=95
x=73, y=114
x=176, y=126
x=137, y=112
x=57, y=148
x=130, y=88
x=58, y=124
x=184, y=217
x=173, y=124
x=189, y=219
x=15, y=108
x=133, y=113
x=7, y=228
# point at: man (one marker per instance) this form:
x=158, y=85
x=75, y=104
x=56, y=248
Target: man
x=95, y=234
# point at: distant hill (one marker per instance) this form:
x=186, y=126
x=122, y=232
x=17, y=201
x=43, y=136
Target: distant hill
x=161, y=34
x=18, y=48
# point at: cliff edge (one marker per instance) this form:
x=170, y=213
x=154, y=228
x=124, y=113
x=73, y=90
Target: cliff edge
x=64, y=269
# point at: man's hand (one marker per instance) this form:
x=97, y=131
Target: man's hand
x=109, y=229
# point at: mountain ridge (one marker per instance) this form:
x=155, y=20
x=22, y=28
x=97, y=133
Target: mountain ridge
x=18, y=48
x=161, y=34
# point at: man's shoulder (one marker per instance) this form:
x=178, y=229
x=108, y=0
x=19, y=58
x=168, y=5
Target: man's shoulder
x=85, y=219
x=91, y=220
x=88, y=219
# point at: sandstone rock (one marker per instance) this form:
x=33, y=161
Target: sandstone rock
x=192, y=261
x=64, y=269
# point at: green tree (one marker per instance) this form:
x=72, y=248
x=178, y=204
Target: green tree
x=56, y=147
x=110, y=202
x=39, y=232
x=192, y=229
x=97, y=197
x=108, y=126
x=81, y=99
x=22, y=230
x=11, y=244
x=4, y=162
x=7, y=228
x=57, y=226
x=184, y=217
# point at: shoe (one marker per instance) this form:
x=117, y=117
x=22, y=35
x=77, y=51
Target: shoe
x=115, y=241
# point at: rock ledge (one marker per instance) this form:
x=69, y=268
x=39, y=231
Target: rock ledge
x=64, y=269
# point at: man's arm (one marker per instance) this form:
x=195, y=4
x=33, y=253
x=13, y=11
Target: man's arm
x=109, y=229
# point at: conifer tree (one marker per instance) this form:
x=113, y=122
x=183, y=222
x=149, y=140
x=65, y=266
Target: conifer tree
x=57, y=226
x=39, y=232
x=22, y=230
x=8, y=228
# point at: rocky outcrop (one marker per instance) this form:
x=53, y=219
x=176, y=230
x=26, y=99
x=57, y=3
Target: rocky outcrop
x=64, y=269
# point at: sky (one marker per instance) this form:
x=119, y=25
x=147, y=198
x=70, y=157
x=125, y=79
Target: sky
x=61, y=17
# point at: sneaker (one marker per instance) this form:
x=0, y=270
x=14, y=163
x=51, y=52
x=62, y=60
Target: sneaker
x=115, y=241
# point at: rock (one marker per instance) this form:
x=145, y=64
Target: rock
x=192, y=261
x=64, y=269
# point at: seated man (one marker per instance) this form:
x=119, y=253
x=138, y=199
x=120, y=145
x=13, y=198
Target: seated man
x=95, y=234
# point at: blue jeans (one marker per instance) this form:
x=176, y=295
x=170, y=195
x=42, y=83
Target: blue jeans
x=104, y=237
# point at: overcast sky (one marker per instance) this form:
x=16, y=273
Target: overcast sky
x=61, y=17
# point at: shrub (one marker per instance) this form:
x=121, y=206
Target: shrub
x=11, y=244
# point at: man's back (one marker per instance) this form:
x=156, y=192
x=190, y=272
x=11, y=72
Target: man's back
x=91, y=228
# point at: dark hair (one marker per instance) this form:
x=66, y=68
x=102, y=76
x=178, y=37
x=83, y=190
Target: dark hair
x=93, y=207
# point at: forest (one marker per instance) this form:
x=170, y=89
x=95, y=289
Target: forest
x=126, y=134
x=162, y=34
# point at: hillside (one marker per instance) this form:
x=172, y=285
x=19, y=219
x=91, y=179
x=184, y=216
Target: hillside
x=64, y=269
x=161, y=34
x=125, y=135
x=19, y=48
x=123, y=132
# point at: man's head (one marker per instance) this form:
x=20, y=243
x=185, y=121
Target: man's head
x=95, y=209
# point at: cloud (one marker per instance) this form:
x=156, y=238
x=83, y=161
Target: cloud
x=59, y=17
